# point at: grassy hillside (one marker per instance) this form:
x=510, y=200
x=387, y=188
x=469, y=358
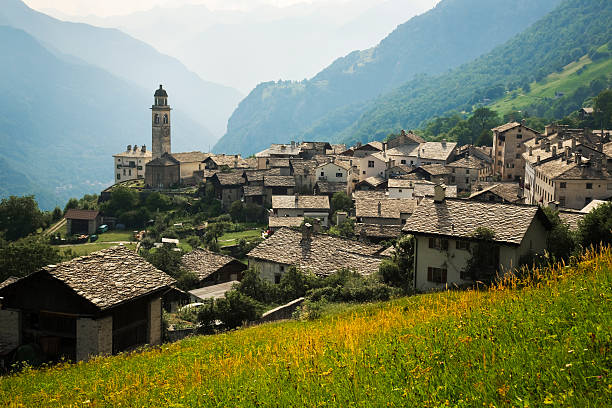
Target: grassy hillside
x=541, y=340
x=573, y=76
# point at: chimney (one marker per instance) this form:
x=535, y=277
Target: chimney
x=129, y=148
x=379, y=208
x=341, y=217
x=537, y=159
x=531, y=150
x=573, y=143
x=144, y=148
x=549, y=130
x=600, y=147
x=577, y=157
x=547, y=146
x=292, y=144
x=384, y=147
x=444, y=144
x=439, y=193
x=306, y=233
x=554, y=151
x=560, y=143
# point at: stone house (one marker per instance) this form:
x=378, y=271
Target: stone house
x=422, y=154
x=278, y=185
x=82, y=221
x=163, y=172
x=375, y=183
x=102, y=303
x=383, y=211
x=443, y=229
x=287, y=151
x=276, y=223
x=466, y=172
x=301, y=206
x=189, y=163
x=372, y=165
x=312, y=252
x=360, y=151
x=400, y=188
x=228, y=187
x=508, y=148
x=436, y=173
x=130, y=165
x=304, y=174
x=312, y=149
x=222, y=161
x=509, y=193
x=212, y=268
x=405, y=138
x=336, y=172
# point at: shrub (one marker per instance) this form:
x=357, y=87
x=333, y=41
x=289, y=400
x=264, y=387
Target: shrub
x=596, y=227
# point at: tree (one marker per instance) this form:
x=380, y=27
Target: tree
x=560, y=242
x=19, y=217
x=596, y=227
x=345, y=229
x=236, y=211
x=56, y=215
x=603, y=109
x=483, y=119
x=25, y=256
x=122, y=199
x=341, y=202
x=72, y=204
x=164, y=259
x=399, y=271
x=158, y=202
x=461, y=133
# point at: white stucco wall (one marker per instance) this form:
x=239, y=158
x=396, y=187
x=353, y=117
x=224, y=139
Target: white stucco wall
x=268, y=270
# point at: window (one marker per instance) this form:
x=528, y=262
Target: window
x=339, y=175
x=118, y=176
x=467, y=171
x=563, y=185
x=518, y=156
x=609, y=186
x=370, y=163
x=452, y=179
x=399, y=191
x=118, y=166
x=562, y=201
x=587, y=200
x=589, y=186
x=124, y=172
x=500, y=143
x=437, y=275
x=166, y=119
x=438, y=243
x=130, y=172
x=453, y=170
x=322, y=174
x=139, y=167
x=277, y=278
x=467, y=180
x=465, y=245
x=519, y=136
x=364, y=172
x=156, y=120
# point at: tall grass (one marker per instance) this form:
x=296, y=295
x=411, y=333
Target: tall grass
x=538, y=338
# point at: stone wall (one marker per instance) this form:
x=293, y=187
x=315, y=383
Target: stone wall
x=155, y=321
x=94, y=337
x=282, y=312
x=10, y=328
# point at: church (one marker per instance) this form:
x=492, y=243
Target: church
x=160, y=168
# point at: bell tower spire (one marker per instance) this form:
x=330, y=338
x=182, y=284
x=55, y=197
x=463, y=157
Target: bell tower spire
x=161, y=138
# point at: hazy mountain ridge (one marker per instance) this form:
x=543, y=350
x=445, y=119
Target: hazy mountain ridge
x=431, y=43
x=207, y=103
x=61, y=121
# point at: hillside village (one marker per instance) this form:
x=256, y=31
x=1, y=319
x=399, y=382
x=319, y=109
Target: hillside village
x=447, y=197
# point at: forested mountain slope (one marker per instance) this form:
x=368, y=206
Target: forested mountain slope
x=454, y=32
x=574, y=29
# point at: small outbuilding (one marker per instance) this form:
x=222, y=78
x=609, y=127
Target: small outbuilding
x=212, y=268
x=82, y=221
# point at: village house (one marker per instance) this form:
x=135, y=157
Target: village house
x=383, y=211
x=335, y=173
x=225, y=162
x=436, y=173
x=228, y=187
x=466, y=172
x=400, y=188
x=372, y=165
x=276, y=223
x=508, y=148
x=130, y=165
x=443, y=229
x=405, y=138
x=189, y=163
x=362, y=150
x=304, y=174
x=278, y=185
x=212, y=268
x=422, y=154
x=571, y=180
x=278, y=151
x=103, y=303
x=312, y=252
x=508, y=193
x=312, y=149
x=163, y=172
x=82, y=221
x=301, y=206
x=375, y=183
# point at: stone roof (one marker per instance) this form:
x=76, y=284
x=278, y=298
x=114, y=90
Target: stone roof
x=8, y=281
x=165, y=160
x=110, y=277
x=343, y=164
x=571, y=218
x=135, y=153
x=214, y=291
x=232, y=178
x=303, y=167
x=337, y=149
x=434, y=169
x=280, y=150
x=562, y=170
x=204, y=263
x=423, y=188
x=400, y=183
x=301, y=202
x=469, y=162
x=278, y=162
x=505, y=127
x=315, y=146
x=321, y=254
x=460, y=218
x=253, y=191
x=161, y=92
x=374, y=181
x=508, y=191
x=326, y=187
x=389, y=207
x=258, y=175
x=287, y=222
x=592, y=205
x=279, y=181
x=231, y=161
x=74, y=214
x=190, y=157
x=607, y=149
x=428, y=150
x=378, y=195
x=378, y=231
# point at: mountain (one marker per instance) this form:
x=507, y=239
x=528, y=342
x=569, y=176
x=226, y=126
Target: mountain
x=61, y=120
x=244, y=47
x=208, y=104
x=453, y=33
x=573, y=29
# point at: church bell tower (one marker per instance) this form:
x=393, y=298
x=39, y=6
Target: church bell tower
x=161, y=124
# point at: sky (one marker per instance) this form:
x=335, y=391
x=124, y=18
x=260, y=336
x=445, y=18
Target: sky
x=107, y=8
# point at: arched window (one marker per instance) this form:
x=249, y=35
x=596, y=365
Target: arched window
x=156, y=120
x=166, y=119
